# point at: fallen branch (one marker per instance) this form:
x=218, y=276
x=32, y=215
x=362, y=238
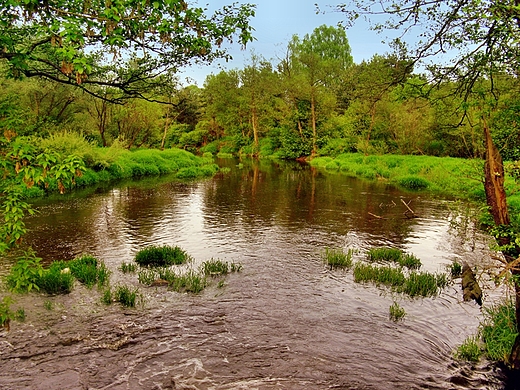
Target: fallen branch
x=409, y=210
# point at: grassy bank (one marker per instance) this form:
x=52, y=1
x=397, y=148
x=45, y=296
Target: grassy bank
x=115, y=163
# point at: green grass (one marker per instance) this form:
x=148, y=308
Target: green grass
x=57, y=279
x=128, y=267
x=455, y=269
x=126, y=296
x=415, y=284
x=450, y=176
x=89, y=270
x=161, y=256
x=215, y=267
x=396, y=312
x=469, y=350
x=337, y=258
x=498, y=331
x=394, y=255
x=189, y=282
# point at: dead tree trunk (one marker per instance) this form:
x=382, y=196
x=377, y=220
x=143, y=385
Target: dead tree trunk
x=496, y=200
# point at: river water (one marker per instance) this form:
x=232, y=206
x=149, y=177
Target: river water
x=285, y=321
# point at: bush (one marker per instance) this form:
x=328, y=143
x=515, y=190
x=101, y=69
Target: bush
x=24, y=275
x=161, y=256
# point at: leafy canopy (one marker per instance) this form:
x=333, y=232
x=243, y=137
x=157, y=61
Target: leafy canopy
x=119, y=43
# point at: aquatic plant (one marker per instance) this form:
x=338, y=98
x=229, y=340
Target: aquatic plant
x=147, y=276
x=455, y=269
x=387, y=275
x=161, y=256
x=126, y=296
x=413, y=182
x=337, y=258
x=106, y=296
x=57, y=279
x=469, y=350
x=189, y=282
x=394, y=255
x=84, y=268
x=128, y=267
x=422, y=284
x=396, y=312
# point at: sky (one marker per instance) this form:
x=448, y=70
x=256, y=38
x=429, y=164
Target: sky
x=276, y=21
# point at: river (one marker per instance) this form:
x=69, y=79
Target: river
x=285, y=321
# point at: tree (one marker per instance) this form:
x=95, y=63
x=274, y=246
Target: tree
x=123, y=44
x=319, y=59
x=481, y=37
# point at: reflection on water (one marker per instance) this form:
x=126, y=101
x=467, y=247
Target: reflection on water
x=304, y=325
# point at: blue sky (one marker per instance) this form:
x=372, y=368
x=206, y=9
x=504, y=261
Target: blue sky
x=276, y=21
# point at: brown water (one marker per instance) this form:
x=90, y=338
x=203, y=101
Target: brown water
x=284, y=322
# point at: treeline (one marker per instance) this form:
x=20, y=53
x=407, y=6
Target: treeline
x=315, y=101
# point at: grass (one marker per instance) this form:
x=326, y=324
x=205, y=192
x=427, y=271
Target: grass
x=189, y=282
x=397, y=313
x=126, y=296
x=128, y=267
x=469, y=350
x=337, y=258
x=161, y=256
x=57, y=279
x=455, y=269
x=394, y=255
x=6, y=315
x=215, y=267
x=415, y=284
x=498, y=331
x=447, y=175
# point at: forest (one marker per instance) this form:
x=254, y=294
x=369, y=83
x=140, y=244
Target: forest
x=82, y=84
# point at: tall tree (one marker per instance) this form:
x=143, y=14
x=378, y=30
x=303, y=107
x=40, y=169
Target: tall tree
x=125, y=44
x=319, y=60
x=481, y=37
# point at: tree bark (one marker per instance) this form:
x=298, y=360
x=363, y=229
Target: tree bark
x=496, y=200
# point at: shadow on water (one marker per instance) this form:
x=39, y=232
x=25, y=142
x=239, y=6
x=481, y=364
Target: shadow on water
x=284, y=322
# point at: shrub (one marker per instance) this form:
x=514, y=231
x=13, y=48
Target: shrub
x=24, y=274
x=161, y=256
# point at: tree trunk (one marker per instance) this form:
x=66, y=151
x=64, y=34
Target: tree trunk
x=314, y=131
x=496, y=200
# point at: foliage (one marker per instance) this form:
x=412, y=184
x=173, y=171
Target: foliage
x=94, y=45
x=338, y=258
x=128, y=267
x=189, y=282
x=6, y=315
x=25, y=273
x=160, y=256
x=396, y=312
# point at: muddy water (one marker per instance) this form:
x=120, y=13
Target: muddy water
x=284, y=322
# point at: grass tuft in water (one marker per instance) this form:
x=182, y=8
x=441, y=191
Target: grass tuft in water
x=161, y=256
x=57, y=279
x=128, y=268
x=189, y=282
x=85, y=269
x=455, y=269
x=337, y=258
x=386, y=275
x=126, y=296
x=469, y=350
x=214, y=267
x=397, y=313
x=106, y=297
x=423, y=284
x=147, y=276
x=394, y=255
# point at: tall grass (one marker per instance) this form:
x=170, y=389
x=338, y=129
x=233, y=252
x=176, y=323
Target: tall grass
x=337, y=258
x=394, y=255
x=499, y=331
